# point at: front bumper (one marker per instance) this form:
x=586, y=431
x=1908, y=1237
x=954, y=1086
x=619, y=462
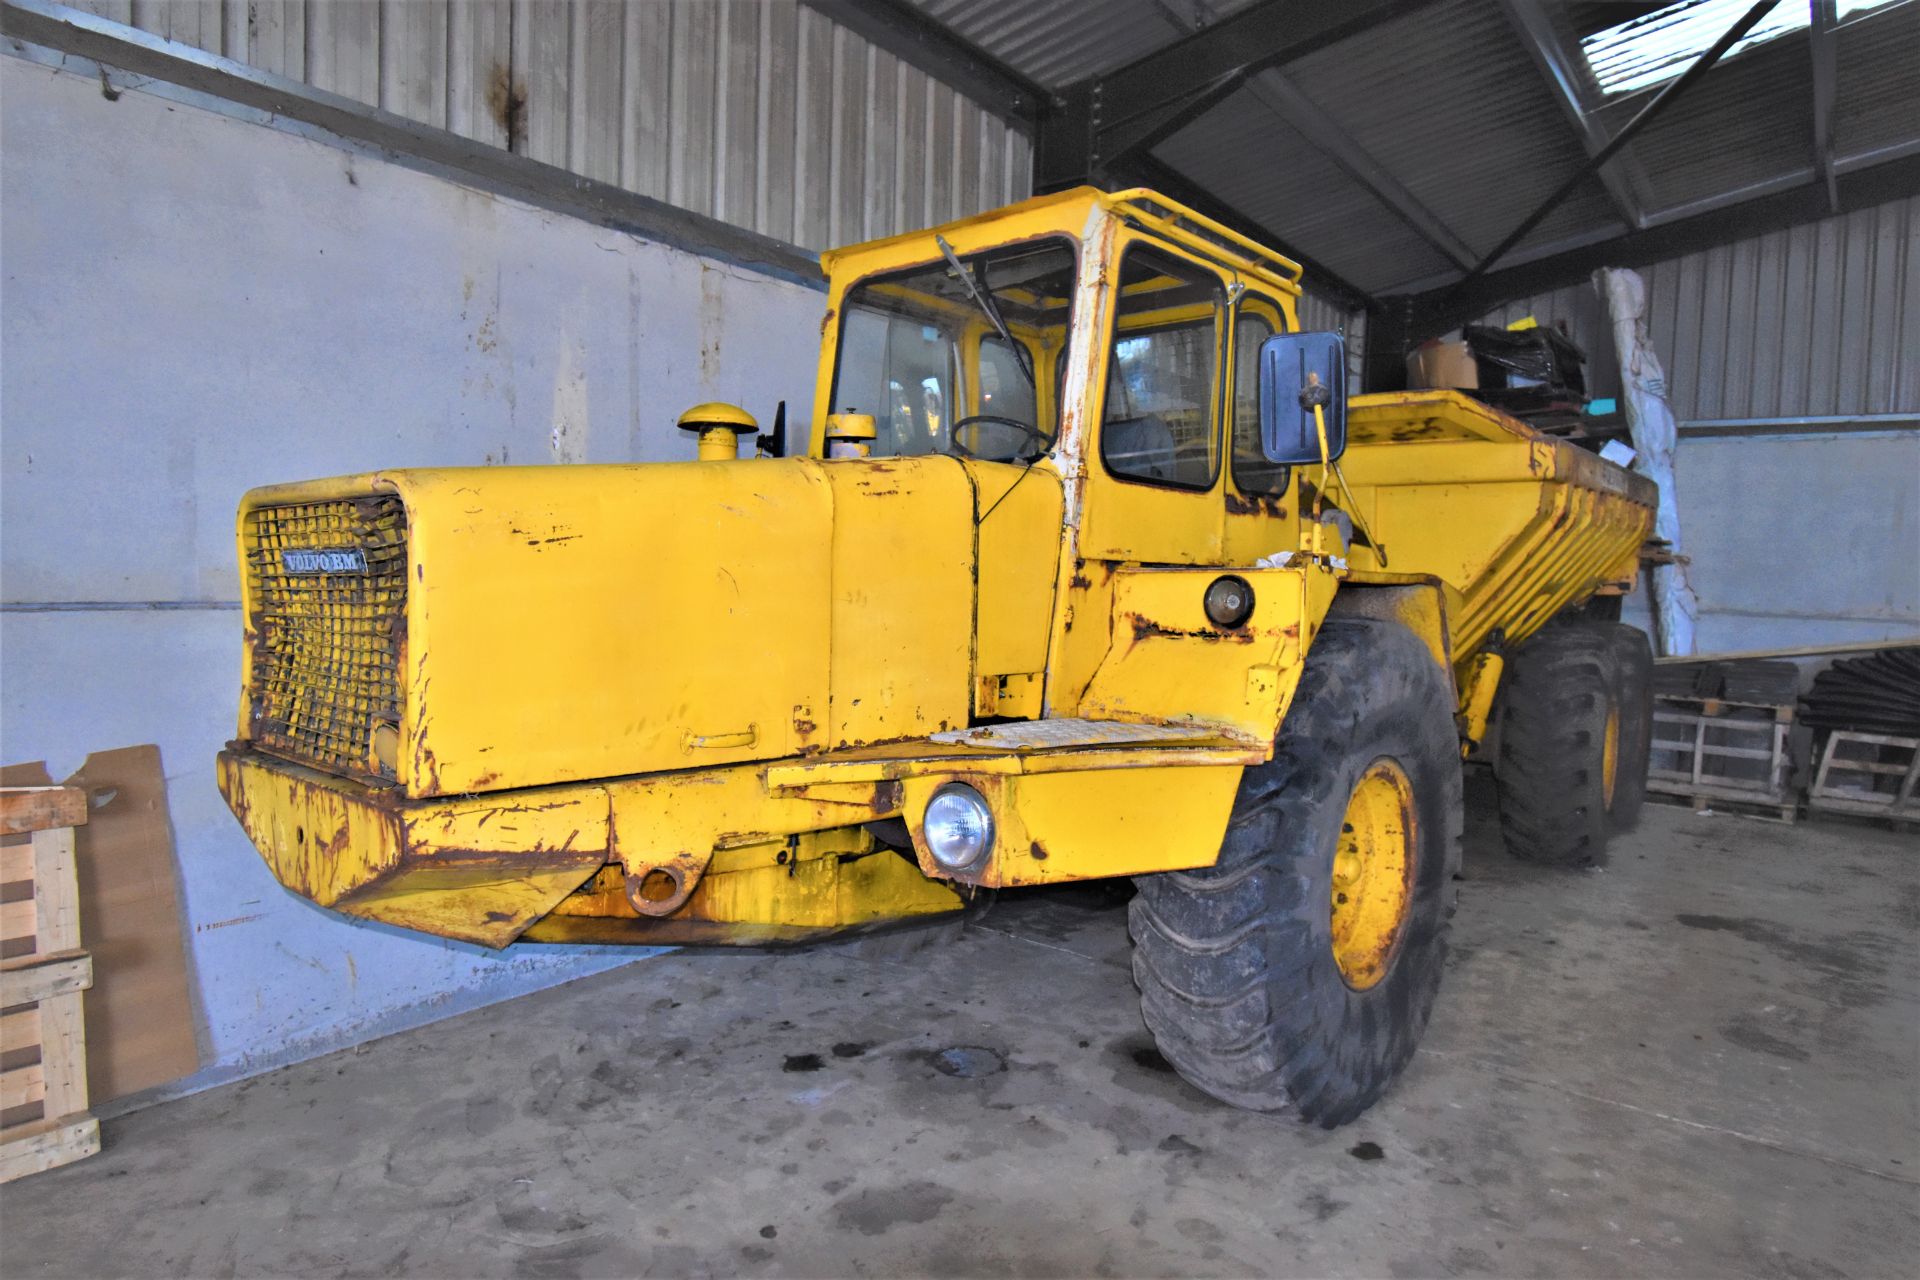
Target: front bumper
x=753, y=854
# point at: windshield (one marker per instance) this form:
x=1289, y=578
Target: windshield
x=923, y=353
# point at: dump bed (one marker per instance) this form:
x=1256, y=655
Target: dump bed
x=1519, y=524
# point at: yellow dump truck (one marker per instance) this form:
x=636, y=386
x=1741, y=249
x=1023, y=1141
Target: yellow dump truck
x=1087, y=568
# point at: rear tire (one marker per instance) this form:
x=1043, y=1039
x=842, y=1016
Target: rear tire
x=1633, y=694
x=1236, y=963
x=1556, y=702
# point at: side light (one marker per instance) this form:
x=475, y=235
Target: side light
x=958, y=826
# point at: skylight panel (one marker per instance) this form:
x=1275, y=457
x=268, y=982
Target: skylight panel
x=1658, y=46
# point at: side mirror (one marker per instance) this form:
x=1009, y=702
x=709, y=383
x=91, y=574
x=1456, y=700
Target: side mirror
x=1293, y=368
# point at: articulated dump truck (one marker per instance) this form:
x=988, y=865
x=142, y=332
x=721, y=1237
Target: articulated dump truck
x=1088, y=568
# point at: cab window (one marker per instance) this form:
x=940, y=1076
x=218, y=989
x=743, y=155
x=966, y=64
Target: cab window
x=1252, y=473
x=1004, y=389
x=906, y=355
x=1162, y=373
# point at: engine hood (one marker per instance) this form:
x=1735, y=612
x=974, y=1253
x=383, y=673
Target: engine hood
x=569, y=623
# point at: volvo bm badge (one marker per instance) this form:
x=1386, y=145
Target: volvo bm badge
x=331, y=560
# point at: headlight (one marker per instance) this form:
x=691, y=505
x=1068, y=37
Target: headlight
x=958, y=826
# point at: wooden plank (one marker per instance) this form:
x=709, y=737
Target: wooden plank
x=24, y=809
x=1793, y=651
x=48, y=1144
x=17, y=919
x=23, y=1085
x=20, y=1028
x=16, y=860
x=56, y=891
x=37, y=978
x=1874, y=739
x=63, y=1054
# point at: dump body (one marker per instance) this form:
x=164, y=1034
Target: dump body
x=711, y=701
x=1516, y=524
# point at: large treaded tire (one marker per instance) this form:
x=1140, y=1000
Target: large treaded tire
x=1633, y=693
x=1234, y=962
x=1554, y=703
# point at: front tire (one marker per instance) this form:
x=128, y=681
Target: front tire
x=1267, y=979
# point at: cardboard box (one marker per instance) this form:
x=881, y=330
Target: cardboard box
x=1442, y=364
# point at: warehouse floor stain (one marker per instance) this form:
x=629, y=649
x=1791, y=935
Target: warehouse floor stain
x=1699, y=1061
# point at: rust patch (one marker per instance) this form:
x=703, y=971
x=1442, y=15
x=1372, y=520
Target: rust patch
x=1080, y=581
x=1039, y=851
x=507, y=104
x=1147, y=628
x=1238, y=505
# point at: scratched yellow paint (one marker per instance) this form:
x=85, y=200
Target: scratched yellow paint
x=741, y=679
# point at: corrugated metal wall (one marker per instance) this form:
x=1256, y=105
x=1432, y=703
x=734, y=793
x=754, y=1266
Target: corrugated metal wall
x=1822, y=320
x=760, y=113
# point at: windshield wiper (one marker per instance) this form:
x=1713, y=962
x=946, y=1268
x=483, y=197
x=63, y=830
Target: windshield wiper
x=992, y=309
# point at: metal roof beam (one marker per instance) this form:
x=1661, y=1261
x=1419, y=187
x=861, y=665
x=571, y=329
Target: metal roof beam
x=1125, y=112
x=1561, y=66
x=1641, y=119
x=1825, y=79
x=1862, y=182
x=1286, y=100
x=916, y=39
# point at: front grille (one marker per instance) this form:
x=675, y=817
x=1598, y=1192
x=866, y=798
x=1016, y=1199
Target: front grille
x=326, y=644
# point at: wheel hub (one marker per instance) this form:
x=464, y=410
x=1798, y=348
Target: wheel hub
x=1610, y=753
x=1372, y=873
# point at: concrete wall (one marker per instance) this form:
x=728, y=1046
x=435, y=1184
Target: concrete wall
x=194, y=305
x=1799, y=540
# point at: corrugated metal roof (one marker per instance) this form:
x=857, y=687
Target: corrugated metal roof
x=1468, y=126
x=1449, y=102
x=1879, y=81
x=1748, y=121
x=1058, y=44
x=1255, y=162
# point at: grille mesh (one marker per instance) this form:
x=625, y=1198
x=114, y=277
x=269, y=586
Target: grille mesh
x=326, y=648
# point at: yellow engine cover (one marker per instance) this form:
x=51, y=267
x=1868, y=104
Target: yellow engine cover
x=572, y=623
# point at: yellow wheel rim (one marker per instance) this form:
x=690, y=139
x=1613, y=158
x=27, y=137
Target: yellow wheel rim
x=1610, y=753
x=1372, y=873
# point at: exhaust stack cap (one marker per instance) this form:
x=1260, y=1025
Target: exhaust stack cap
x=850, y=435
x=720, y=426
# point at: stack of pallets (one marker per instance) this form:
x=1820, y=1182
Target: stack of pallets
x=44, y=1120
x=1722, y=734
x=1872, y=775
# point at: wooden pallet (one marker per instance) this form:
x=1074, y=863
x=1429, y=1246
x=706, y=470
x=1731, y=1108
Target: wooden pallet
x=44, y=1120
x=1709, y=740
x=1866, y=774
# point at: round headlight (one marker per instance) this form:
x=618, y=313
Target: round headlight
x=958, y=826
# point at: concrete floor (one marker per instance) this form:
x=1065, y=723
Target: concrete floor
x=1701, y=1061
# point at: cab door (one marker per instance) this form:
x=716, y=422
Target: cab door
x=1156, y=465
x=1261, y=516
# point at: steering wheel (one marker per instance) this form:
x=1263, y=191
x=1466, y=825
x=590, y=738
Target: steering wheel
x=1033, y=433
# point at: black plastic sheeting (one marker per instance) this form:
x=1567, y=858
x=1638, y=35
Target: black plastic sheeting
x=1539, y=355
x=1762, y=681
x=1879, y=693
